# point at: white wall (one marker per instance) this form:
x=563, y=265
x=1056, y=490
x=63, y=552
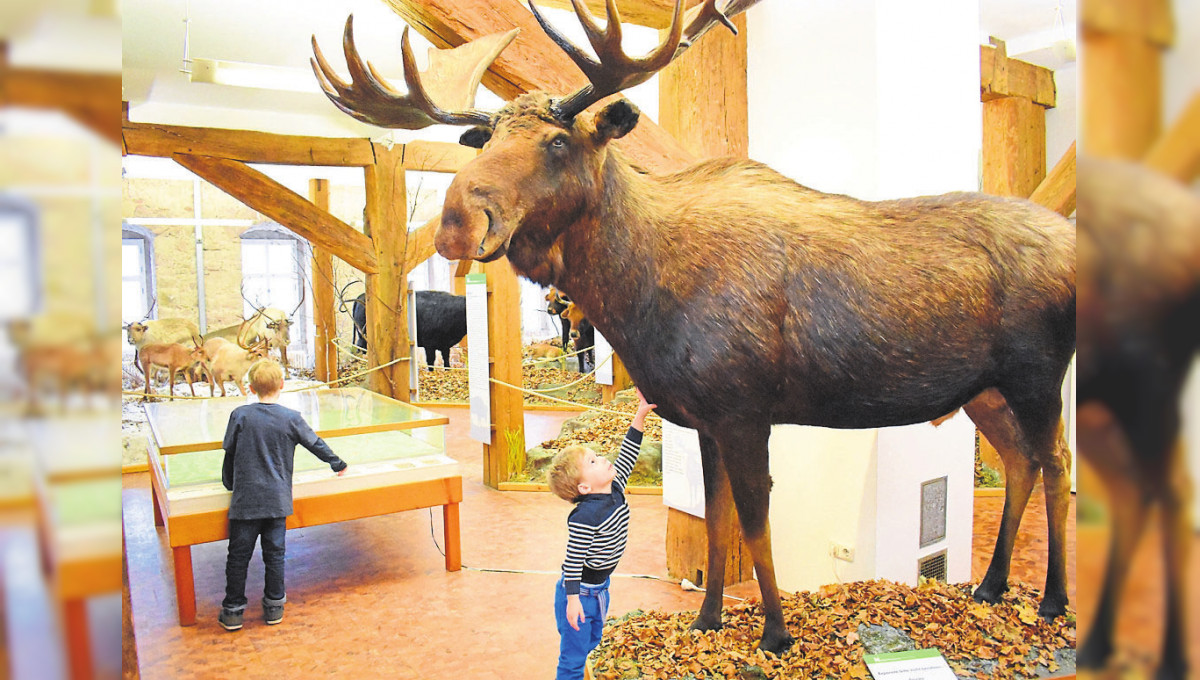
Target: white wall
x=875, y=99
x=910, y=456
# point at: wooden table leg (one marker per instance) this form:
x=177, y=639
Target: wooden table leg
x=78, y=642
x=450, y=535
x=185, y=586
x=158, y=518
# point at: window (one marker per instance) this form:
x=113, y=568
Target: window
x=274, y=269
x=137, y=280
x=19, y=259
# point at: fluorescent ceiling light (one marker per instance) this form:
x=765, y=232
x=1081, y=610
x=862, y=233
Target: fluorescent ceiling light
x=259, y=76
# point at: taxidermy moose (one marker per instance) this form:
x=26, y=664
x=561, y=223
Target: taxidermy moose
x=738, y=298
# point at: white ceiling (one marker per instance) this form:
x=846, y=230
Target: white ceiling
x=274, y=33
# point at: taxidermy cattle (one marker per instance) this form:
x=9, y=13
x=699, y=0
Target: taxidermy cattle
x=738, y=298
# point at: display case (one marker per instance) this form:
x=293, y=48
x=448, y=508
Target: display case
x=396, y=454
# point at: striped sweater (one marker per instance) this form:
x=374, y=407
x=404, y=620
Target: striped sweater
x=599, y=524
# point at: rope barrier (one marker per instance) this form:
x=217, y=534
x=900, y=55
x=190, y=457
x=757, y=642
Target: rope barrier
x=294, y=389
x=339, y=345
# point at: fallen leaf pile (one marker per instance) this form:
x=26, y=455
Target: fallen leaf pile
x=1010, y=636
x=608, y=429
x=440, y=385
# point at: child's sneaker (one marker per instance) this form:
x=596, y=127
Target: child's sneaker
x=273, y=613
x=230, y=620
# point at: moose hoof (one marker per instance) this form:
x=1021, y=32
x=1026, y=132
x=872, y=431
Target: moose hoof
x=989, y=592
x=1094, y=654
x=1052, y=608
x=704, y=624
x=776, y=643
x=1172, y=670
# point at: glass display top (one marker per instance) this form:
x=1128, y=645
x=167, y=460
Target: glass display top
x=199, y=425
x=359, y=452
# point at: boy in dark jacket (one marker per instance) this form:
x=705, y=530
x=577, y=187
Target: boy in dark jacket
x=260, y=448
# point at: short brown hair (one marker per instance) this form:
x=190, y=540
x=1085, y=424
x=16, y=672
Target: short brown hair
x=266, y=376
x=565, y=472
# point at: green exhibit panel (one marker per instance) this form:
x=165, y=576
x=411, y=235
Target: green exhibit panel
x=395, y=451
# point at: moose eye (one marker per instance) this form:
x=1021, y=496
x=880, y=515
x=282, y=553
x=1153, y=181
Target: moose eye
x=558, y=142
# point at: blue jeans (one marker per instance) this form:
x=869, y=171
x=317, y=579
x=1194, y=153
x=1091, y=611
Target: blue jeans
x=242, y=535
x=575, y=645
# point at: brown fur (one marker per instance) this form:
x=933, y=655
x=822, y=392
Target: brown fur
x=1138, y=334
x=738, y=298
x=174, y=357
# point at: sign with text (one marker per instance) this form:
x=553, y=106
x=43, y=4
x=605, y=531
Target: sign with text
x=478, y=367
x=920, y=664
x=683, y=477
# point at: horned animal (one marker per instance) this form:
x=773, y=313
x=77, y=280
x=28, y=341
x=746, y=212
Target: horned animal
x=175, y=357
x=738, y=298
x=231, y=362
x=583, y=336
x=1138, y=335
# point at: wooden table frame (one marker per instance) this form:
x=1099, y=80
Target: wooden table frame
x=184, y=531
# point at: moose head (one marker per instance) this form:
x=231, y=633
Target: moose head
x=543, y=155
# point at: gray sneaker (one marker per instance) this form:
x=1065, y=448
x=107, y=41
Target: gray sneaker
x=273, y=613
x=230, y=620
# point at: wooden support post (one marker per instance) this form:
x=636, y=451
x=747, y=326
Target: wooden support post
x=1014, y=146
x=324, y=313
x=450, y=536
x=504, y=345
x=387, y=320
x=1121, y=80
x=702, y=104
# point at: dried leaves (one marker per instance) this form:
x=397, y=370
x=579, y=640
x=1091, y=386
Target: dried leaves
x=826, y=623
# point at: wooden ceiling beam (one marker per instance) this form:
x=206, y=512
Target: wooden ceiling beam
x=1057, y=191
x=1002, y=76
x=1177, y=152
x=92, y=99
x=286, y=207
x=437, y=156
x=652, y=13
x=532, y=62
x=164, y=141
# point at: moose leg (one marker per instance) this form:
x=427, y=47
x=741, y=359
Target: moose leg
x=992, y=415
x=717, y=501
x=744, y=455
x=1177, y=538
x=1056, y=482
x=1104, y=444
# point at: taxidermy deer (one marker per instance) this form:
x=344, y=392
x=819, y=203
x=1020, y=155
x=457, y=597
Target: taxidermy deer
x=738, y=298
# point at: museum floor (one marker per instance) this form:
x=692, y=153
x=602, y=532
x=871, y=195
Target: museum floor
x=371, y=598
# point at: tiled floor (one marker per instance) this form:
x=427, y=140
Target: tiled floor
x=371, y=598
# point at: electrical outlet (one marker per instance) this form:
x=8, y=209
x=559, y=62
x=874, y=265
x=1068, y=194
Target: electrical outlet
x=842, y=552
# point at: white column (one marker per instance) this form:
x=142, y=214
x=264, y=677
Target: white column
x=876, y=99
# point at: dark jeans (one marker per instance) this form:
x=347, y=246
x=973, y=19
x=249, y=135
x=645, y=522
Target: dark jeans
x=242, y=535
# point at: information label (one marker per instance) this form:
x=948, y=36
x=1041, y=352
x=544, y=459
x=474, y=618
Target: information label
x=478, y=368
x=683, y=476
x=604, y=369
x=921, y=664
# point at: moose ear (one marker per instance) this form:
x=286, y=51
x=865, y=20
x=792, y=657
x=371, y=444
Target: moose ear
x=475, y=137
x=616, y=120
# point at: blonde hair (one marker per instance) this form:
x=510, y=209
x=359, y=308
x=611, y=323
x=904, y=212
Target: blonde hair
x=565, y=472
x=266, y=376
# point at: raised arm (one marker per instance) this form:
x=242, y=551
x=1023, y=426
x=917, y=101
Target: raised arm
x=632, y=444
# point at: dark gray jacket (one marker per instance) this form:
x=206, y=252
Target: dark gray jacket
x=260, y=449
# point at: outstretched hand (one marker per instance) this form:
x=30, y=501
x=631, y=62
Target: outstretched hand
x=343, y=471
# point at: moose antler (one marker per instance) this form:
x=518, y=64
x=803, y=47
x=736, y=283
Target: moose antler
x=452, y=80
x=615, y=71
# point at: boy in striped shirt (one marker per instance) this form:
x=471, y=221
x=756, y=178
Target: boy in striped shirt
x=597, y=528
